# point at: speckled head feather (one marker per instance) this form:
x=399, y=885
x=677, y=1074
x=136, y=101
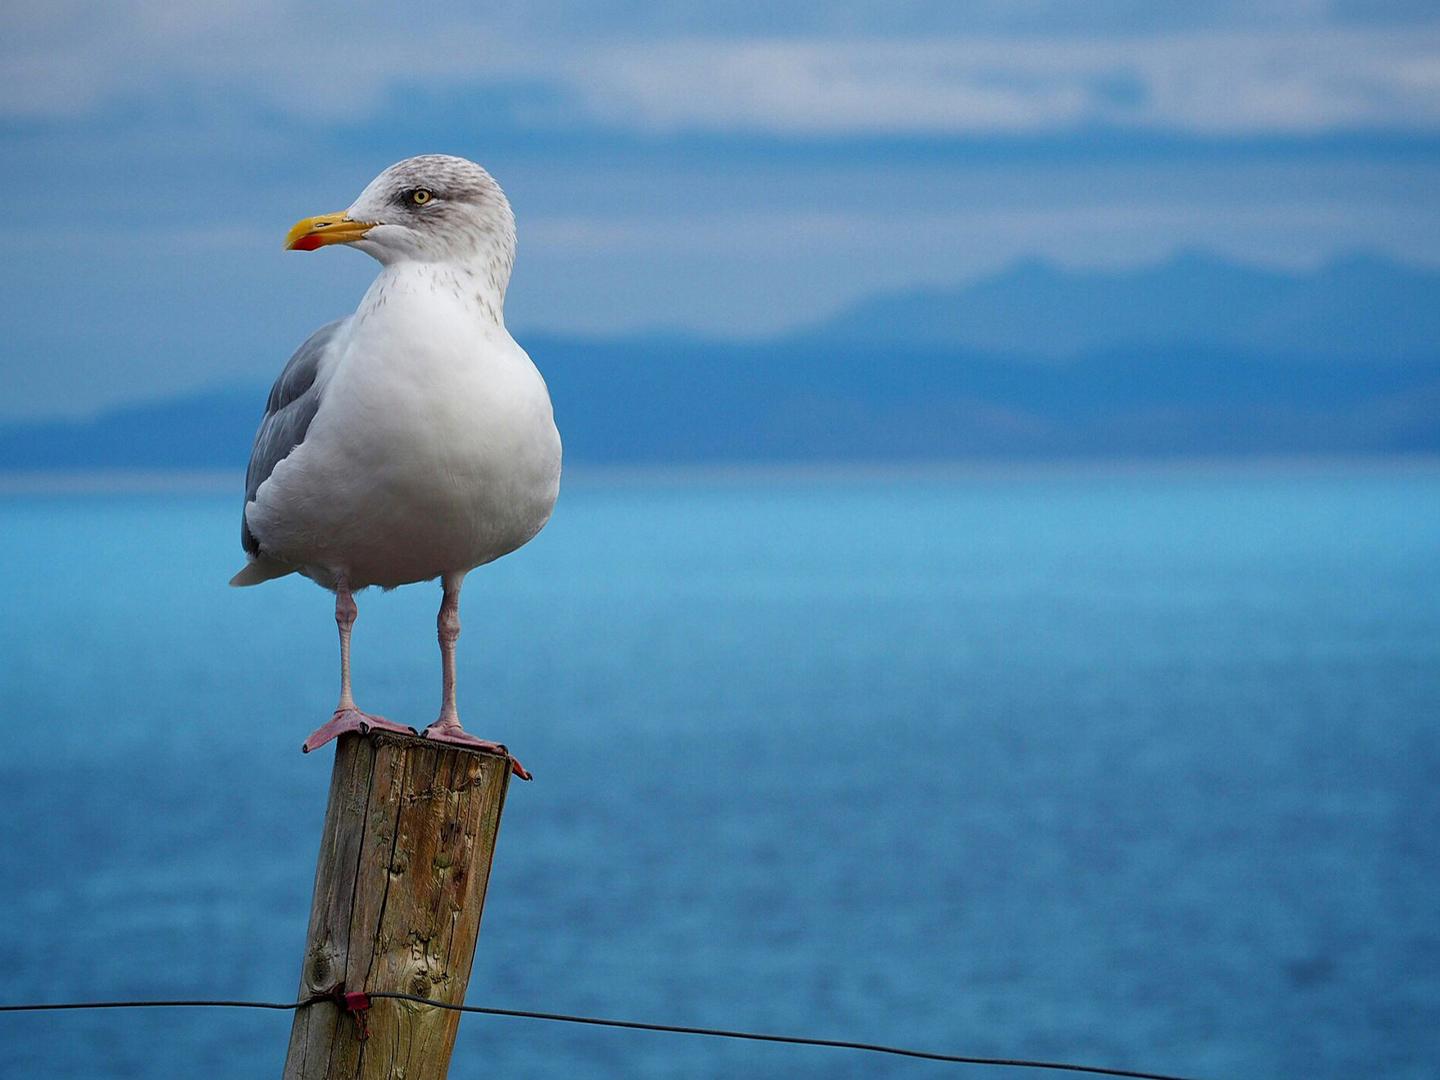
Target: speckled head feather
x=438, y=208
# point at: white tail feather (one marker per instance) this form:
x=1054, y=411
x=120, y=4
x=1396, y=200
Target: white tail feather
x=261, y=568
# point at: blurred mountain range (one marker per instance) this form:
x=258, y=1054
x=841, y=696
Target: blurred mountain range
x=1194, y=356
x=1359, y=309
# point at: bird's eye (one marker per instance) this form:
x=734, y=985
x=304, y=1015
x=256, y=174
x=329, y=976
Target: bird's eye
x=420, y=196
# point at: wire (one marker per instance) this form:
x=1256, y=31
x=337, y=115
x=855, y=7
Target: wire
x=54, y=1006
x=597, y=1021
x=797, y=1040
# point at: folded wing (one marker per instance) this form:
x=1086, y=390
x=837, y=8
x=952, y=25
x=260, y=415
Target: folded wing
x=293, y=402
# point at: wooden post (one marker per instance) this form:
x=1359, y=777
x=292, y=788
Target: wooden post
x=399, y=887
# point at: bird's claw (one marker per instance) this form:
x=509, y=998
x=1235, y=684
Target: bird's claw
x=346, y=720
x=450, y=731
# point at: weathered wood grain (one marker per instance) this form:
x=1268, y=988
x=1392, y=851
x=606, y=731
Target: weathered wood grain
x=399, y=887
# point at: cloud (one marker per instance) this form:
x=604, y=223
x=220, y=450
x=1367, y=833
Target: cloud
x=1206, y=83
x=73, y=60
x=292, y=63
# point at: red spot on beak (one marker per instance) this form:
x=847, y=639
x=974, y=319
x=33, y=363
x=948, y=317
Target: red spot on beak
x=308, y=243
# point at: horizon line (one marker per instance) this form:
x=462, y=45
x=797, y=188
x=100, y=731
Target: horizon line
x=122, y=480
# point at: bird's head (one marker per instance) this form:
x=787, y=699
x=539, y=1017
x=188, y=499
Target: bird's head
x=433, y=208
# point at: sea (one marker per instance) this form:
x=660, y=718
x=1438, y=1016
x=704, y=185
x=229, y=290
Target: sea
x=1117, y=765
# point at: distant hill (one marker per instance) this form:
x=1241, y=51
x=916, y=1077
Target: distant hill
x=646, y=401
x=1193, y=357
x=1359, y=309
x=208, y=430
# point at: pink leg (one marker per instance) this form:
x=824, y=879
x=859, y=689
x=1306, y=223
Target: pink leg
x=447, y=728
x=347, y=717
x=346, y=612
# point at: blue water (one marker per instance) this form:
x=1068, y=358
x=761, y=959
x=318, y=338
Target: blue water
x=1139, y=770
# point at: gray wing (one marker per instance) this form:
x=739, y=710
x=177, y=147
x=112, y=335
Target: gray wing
x=294, y=400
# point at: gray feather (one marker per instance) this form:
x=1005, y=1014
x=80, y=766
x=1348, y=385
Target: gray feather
x=294, y=400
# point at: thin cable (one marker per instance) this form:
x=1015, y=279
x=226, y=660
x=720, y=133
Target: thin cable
x=188, y=1004
x=597, y=1021
x=796, y=1040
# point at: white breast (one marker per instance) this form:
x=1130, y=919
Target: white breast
x=434, y=449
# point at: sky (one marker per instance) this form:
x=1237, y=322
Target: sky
x=726, y=169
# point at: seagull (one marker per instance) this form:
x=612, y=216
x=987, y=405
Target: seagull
x=413, y=439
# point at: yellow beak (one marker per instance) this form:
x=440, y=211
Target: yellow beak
x=313, y=232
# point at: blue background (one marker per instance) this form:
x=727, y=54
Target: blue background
x=1125, y=754
x=1128, y=768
